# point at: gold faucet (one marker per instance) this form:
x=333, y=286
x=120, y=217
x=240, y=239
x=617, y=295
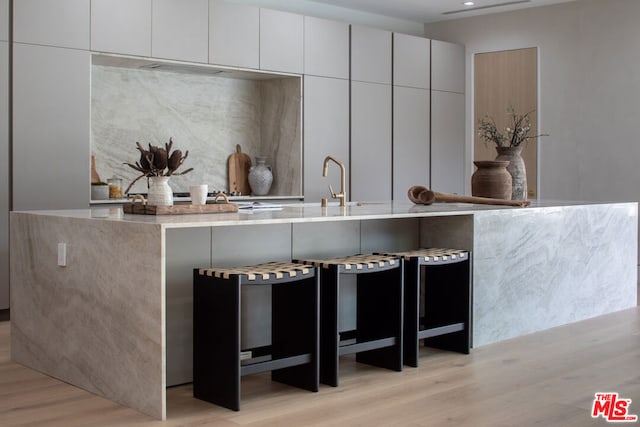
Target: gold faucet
x=342, y=195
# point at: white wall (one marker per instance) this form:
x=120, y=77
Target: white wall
x=589, y=90
x=327, y=11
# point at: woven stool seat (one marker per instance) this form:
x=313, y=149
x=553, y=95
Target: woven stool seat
x=355, y=262
x=271, y=271
x=432, y=255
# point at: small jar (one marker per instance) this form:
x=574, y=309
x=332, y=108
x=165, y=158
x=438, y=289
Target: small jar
x=115, y=187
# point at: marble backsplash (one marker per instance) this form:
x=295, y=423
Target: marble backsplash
x=205, y=114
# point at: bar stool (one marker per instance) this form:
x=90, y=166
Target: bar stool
x=377, y=339
x=446, y=323
x=292, y=357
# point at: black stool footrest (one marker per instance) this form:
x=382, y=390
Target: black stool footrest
x=366, y=346
x=272, y=365
x=441, y=330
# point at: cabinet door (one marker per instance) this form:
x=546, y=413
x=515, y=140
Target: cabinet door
x=234, y=34
x=447, y=142
x=447, y=66
x=370, y=55
x=121, y=26
x=411, y=61
x=326, y=48
x=4, y=20
x=411, y=145
x=326, y=133
x=4, y=175
x=370, y=141
x=51, y=93
x=180, y=30
x=281, y=41
x=63, y=23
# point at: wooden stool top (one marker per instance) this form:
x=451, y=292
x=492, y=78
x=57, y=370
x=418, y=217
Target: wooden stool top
x=433, y=255
x=267, y=271
x=355, y=262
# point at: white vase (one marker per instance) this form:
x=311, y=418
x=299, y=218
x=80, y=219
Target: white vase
x=160, y=194
x=260, y=177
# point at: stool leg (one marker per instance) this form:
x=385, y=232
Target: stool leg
x=411, y=312
x=379, y=315
x=329, y=334
x=447, y=300
x=216, y=341
x=295, y=331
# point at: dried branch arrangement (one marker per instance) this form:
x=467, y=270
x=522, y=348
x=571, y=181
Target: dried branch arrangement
x=158, y=161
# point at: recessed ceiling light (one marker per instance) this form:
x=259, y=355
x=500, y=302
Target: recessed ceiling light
x=468, y=3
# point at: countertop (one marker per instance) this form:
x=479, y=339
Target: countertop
x=307, y=212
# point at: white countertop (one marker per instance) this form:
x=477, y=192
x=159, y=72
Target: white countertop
x=305, y=212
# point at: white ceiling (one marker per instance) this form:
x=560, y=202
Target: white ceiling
x=435, y=10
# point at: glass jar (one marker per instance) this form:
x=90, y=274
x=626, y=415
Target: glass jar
x=115, y=187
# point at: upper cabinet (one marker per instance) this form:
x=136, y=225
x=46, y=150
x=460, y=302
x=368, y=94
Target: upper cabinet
x=447, y=66
x=281, y=41
x=370, y=55
x=234, y=34
x=180, y=30
x=411, y=61
x=326, y=48
x=4, y=20
x=121, y=26
x=60, y=23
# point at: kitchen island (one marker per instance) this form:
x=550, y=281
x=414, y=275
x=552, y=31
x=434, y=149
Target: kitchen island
x=115, y=317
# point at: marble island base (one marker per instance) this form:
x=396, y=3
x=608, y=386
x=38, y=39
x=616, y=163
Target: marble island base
x=116, y=320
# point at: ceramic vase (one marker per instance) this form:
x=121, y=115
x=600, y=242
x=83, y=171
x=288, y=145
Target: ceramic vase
x=517, y=170
x=160, y=194
x=260, y=177
x=491, y=179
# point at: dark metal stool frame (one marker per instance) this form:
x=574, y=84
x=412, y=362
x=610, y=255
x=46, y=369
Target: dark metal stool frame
x=217, y=366
x=447, y=301
x=379, y=313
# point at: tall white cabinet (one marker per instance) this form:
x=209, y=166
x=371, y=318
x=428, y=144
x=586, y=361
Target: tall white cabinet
x=411, y=113
x=4, y=154
x=371, y=149
x=448, y=155
x=326, y=104
x=51, y=97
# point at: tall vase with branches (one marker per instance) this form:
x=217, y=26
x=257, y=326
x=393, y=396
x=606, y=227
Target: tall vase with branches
x=509, y=142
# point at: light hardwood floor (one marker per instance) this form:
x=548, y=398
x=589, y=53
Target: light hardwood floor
x=546, y=379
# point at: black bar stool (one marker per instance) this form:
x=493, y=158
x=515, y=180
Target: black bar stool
x=377, y=339
x=292, y=357
x=446, y=323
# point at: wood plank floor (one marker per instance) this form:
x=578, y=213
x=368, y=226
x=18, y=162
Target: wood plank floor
x=545, y=379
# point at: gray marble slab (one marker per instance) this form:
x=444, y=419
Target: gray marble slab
x=204, y=114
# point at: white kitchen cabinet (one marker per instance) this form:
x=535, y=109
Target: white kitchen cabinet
x=61, y=23
x=234, y=34
x=411, y=61
x=370, y=55
x=448, y=142
x=370, y=141
x=180, y=30
x=121, y=26
x=326, y=133
x=4, y=175
x=4, y=20
x=51, y=150
x=411, y=139
x=447, y=66
x=281, y=41
x=326, y=48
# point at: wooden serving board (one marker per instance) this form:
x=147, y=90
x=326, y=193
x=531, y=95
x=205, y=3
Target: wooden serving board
x=239, y=164
x=179, y=209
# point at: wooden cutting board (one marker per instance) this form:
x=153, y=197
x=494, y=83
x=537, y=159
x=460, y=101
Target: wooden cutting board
x=239, y=164
x=179, y=209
